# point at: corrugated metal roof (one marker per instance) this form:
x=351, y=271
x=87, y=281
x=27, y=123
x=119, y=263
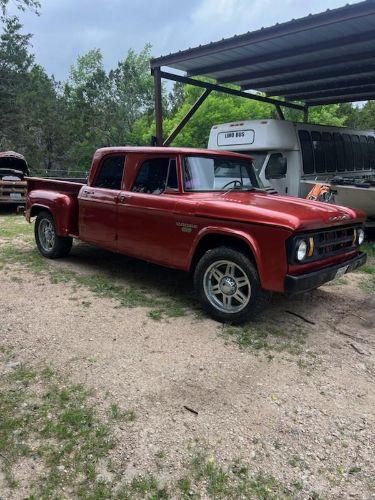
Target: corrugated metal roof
x=322, y=58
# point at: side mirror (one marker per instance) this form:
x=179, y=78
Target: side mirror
x=276, y=168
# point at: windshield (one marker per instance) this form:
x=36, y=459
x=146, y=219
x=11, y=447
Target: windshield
x=204, y=173
x=258, y=157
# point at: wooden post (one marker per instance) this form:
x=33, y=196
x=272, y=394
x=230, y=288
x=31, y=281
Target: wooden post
x=306, y=114
x=279, y=112
x=158, y=107
x=187, y=117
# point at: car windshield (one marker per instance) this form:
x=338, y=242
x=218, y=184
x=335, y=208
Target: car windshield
x=217, y=173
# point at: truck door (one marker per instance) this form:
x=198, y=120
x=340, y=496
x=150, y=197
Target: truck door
x=146, y=218
x=98, y=203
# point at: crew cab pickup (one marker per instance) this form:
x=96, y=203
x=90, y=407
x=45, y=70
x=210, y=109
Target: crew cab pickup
x=203, y=212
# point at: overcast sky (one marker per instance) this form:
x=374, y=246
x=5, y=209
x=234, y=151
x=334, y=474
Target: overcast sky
x=67, y=28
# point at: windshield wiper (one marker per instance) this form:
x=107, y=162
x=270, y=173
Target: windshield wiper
x=241, y=189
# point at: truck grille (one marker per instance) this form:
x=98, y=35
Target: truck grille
x=324, y=243
x=331, y=242
x=12, y=192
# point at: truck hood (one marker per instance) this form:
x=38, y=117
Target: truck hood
x=291, y=213
x=9, y=160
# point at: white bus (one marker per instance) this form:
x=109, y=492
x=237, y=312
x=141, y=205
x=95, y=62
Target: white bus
x=292, y=157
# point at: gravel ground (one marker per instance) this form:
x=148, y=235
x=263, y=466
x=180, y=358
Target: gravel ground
x=301, y=412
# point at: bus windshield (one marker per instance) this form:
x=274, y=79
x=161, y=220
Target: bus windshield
x=257, y=156
x=205, y=173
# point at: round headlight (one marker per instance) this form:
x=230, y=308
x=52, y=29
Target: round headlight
x=301, y=250
x=360, y=236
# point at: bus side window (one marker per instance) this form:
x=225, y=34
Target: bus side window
x=307, y=151
x=365, y=155
x=329, y=152
x=318, y=152
x=348, y=148
x=371, y=150
x=358, y=157
x=340, y=155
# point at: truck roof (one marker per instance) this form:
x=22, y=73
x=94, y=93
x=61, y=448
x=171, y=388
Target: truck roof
x=166, y=150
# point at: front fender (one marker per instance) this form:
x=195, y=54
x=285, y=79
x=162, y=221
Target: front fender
x=234, y=233
x=267, y=246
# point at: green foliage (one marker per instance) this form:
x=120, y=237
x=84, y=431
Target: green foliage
x=58, y=126
x=21, y=5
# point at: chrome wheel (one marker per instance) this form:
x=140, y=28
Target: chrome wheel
x=227, y=286
x=46, y=233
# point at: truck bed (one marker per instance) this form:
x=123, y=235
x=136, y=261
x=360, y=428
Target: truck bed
x=66, y=185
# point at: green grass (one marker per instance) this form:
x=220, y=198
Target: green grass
x=267, y=336
x=123, y=416
x=100, y=285
x=14, y=226
x=368, y=269
x=45, y=420
x=52, y=429
x=233, y=482
x=53, y=424
x=368, y=284
x=369, y=248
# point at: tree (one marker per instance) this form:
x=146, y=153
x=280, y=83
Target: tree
x=45, y=128
x=131, y=95
x=222, y=108
x=85, y=95
x=21, y=5
x=15, y=61
x=217, y=108
x=363, y=118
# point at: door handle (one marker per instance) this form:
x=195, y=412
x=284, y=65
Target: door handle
x=123, y=197
x=88, y=192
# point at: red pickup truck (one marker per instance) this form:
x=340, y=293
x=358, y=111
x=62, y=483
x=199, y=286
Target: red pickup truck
x=201, y=211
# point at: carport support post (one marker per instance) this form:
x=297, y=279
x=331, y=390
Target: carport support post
x=306, y=114
x=158, y=107
x=279, y=113
x=187, y=117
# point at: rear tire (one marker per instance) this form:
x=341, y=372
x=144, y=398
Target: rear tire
x=228, y=286
x=49, y=243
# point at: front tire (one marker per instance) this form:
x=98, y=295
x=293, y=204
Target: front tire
x=228, y=286
x=49, y=243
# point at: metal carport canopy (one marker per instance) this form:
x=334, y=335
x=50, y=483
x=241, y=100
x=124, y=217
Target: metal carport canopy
x=319, y=59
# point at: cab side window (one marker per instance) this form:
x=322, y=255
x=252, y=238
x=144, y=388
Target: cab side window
x=155, y=175
x=110, y=173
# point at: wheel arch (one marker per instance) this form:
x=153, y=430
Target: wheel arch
x=62, y=207
x=36, y=209
x=217, y=238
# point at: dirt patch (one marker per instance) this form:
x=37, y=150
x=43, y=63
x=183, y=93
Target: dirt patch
x=281, y=396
